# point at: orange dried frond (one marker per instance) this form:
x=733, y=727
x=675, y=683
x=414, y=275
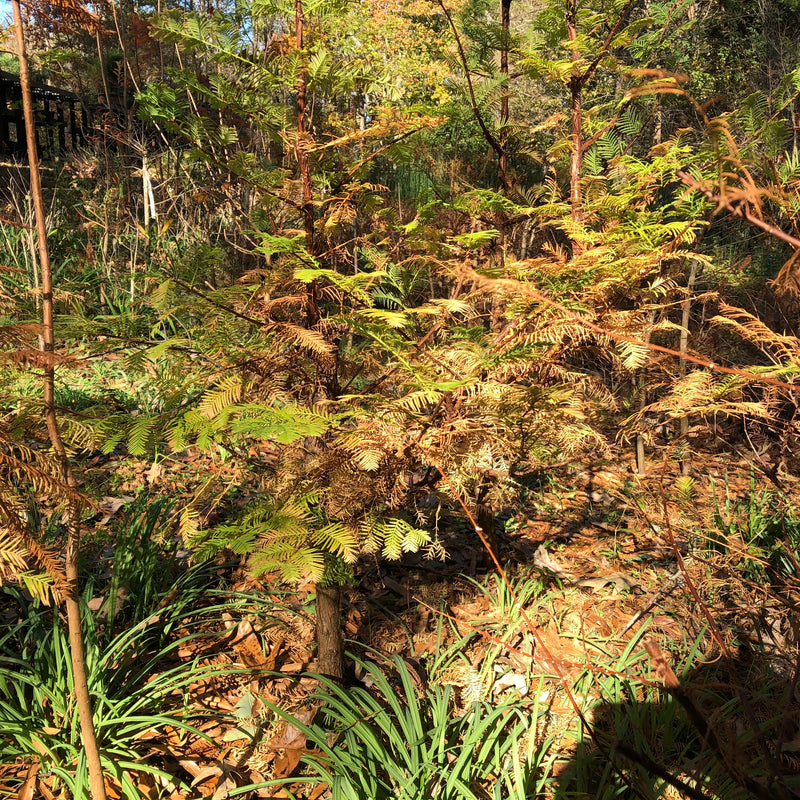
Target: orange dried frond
x=19, y=332
x=31, y=357
x=70, y=16
x=787, y=281
x=381, y=128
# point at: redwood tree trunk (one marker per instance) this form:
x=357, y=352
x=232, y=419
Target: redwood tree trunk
x=576, y=83
x=303, y=166
x=77, y=650
x=505, y=23
x=329, y=638
x=302, y=143
x=502, y=158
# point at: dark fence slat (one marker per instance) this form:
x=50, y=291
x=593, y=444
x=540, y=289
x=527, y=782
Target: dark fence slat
x=60, y=126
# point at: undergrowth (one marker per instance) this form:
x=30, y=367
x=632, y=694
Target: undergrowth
x=395, y=738
x=488, y=710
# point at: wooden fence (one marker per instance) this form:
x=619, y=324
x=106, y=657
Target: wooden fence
x=61, y=120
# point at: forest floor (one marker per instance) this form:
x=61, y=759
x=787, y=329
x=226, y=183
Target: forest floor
x=608, y=586
x=596, y=562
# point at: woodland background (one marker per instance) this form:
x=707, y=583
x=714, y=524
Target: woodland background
x=414, y=412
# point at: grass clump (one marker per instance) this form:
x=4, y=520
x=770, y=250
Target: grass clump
x=397, y=736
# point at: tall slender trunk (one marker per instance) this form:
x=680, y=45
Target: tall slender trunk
x=502, y=138
x=576, y=83
x=77, y=650
x=330, y=658
x=488, y=135
x=303, y=166
x=505, y=24
x=301, y=88
x=102, y=64
x=686, y=311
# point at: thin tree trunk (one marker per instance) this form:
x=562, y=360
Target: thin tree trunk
x=303, y=166
x=576, y=83
x=641, y=456
x=330, y=658
x=686, y=310
x=502, y=137
x=148, y=196
x=302, y=145
x=102, y=65
x=329, y=637
x=490, y=137
x=505, y=23
x=145, y=198
x=77, y=651
x=523, y=242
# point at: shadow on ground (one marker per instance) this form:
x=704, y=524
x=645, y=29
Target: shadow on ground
x=727, y=730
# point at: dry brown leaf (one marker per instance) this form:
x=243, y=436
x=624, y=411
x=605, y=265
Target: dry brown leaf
x=290, y=743
x=543, y=560
x=660, y=664
x=562, y=654
x=224, y=787
x=26, y=790
x=110, y=505
x=286, y=761
x=196, y=771
x=113, y=790
x=290, y=736
x=293, y=667
x=320, y=789
x=212, y=774
x=44, y=789
x=38, y=746
x=146, y=785
x=154, y=473
x=426, y=643
x=620, y=580
x=247, y=647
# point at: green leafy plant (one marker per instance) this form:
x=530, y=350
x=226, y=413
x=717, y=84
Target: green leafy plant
x=143, y=567
x=38, y=719
x=762, y=529
x=138, y=683
x=395, y=738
